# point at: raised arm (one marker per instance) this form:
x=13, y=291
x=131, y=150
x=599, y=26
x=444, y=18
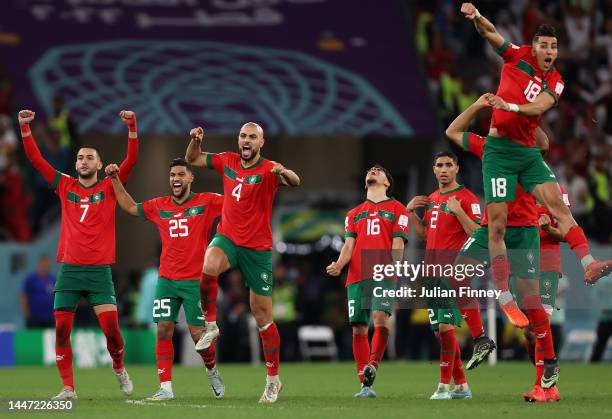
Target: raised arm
x=125, y=201
x=194, y=154
x=420, y=201
x=127, y=165
x=287, y=177
x=485, y=28
x=543, y=102
x=31, y=149
x=335, y=268
x=462, y=122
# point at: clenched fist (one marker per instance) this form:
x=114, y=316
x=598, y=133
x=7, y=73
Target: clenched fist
x=469, y=11
x=26, y=116
x=112, y=170
x=129, y=119
x=197, y=134
x=333, y=269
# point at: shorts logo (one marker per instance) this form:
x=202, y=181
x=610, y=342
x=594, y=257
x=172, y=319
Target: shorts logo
x=530, y=258
x=448, y=316
x=266, y=288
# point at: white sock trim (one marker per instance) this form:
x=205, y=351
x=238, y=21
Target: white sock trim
x=265, y=327
x=166, y=385
x=586, y=261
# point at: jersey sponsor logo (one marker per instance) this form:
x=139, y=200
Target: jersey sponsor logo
x=476, y=209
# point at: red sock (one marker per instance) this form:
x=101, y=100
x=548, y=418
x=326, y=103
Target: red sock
x=577, y=241
x=208, y=356
x=473, y=320
x=500, y=271
x=530, y=347
x=208, y=297
x=109, y=322
x=270, y=342
x=361, y=352
x=164, y=353
x=539, y=362
x=379, y=345
x=448, y=345
x=63, y=349
x=540, y=324
x=458, y=373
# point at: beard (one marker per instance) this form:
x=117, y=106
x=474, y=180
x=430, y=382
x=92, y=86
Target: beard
x=251, y=157
x=370, y=182
x=87, y=175
x=182, y=193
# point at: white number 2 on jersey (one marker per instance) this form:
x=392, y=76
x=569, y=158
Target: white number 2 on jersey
x=433, y=219
x=236, y=192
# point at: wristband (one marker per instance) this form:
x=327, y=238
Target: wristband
x=513, y=107
x=477, y=14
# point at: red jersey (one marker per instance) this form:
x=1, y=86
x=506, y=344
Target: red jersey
x=521, y=82
x=550, y=248
x=444, y=231
x=87, y=230
x=373, y=225
x=184, y=230
x=522, y=212
x=248, y=195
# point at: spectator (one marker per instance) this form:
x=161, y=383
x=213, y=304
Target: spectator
x=64, y=125
x=37, y=295
x=578, y=191
x=233, y=345
x=14, y=203
x=284, y=313
x=603, y=297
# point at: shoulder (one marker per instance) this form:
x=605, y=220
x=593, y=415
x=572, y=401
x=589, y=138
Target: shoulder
x=469, y=194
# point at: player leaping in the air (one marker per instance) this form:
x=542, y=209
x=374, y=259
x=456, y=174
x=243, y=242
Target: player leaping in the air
x=374, y=229
x=86, y=248
x=529, y=86
x=522, y=239
x=244, y=236
x=184, y=221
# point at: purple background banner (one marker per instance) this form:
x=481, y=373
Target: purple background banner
x=300, y=66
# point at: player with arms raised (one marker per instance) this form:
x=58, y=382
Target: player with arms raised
x=244, y=236
x=529, y=86
x=184, y=221
x=452, y=214
x=86, y=248
x=374, y=229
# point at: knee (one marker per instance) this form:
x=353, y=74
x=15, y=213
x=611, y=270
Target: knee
x=164, y=331
x=380, y=319
x=360, y=329
x=211, y=266
x=262, y=315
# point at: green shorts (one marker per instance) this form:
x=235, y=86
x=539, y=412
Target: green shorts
x=441, y=308
x=548, y=285
x=170, y=295
x=367, y=296
x=255, y=265
x=95, y=283
x=523, y=244
x=504, y=163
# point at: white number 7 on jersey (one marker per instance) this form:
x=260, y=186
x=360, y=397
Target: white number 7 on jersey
x=85, y=207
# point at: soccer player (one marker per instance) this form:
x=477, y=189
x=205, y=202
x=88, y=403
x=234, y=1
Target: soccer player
x=522, y=238
x=529, y=86
x=244, y=236
x=86, y=247
x=375, y=232
x=452, y=214
x=550, y=272
x=184, y=221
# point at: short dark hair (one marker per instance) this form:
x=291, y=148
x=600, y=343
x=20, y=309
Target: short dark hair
x=446, y=153
x=93, y=148
x=179, y=161
x=545, y=30
x=389, y=178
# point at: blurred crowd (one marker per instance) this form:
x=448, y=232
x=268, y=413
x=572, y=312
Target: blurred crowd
x=27, y=205
x=460, y=66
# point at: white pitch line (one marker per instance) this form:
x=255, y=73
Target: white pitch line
x=196, y=406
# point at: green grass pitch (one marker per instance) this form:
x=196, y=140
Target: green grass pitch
x=319, y=390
